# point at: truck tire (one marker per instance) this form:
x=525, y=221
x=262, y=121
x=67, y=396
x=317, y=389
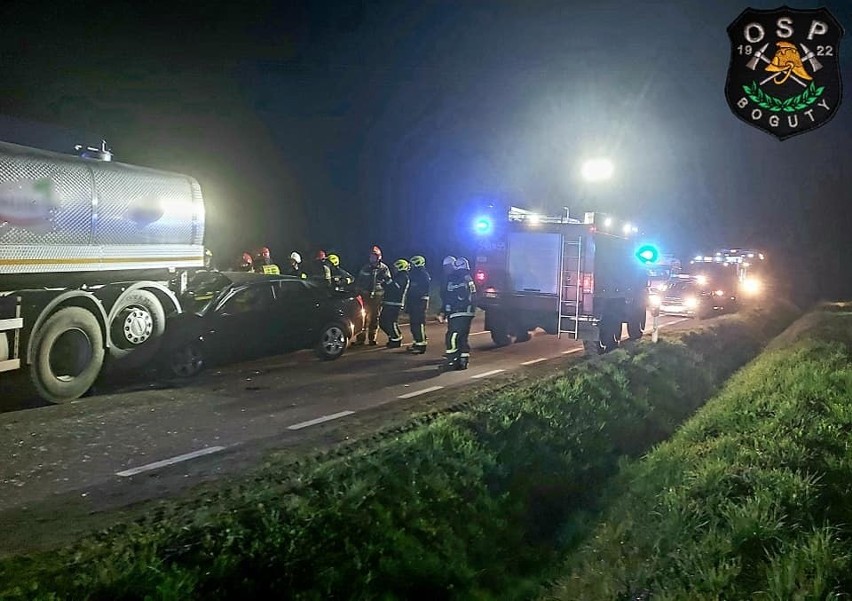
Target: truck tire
x=68, y=352
x=522, y=335
x=500, y=335
x=610, y=333
x=636, y=325
x=136, y=329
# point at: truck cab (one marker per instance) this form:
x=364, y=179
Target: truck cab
x=571, y=277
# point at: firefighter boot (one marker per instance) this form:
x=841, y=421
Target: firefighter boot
x=394, y=344
x=463, y=361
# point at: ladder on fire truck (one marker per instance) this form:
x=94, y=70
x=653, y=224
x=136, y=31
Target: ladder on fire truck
x=570, y=287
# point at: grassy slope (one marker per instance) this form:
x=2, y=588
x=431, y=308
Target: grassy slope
x=472, y=505
x=753, y=496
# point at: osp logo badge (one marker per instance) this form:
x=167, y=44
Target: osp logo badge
x=784, y=76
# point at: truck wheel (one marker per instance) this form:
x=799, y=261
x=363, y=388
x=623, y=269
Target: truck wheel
x=636, y=325
x=68, y=352
x=136, y=329
x=500, y=335
x=522, y=335
x=610, y=332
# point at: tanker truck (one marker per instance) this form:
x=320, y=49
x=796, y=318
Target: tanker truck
x=92, y=256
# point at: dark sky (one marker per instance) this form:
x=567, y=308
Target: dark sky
x=352, y=123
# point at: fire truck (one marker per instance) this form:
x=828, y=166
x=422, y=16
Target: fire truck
x=92, y=256
x=578, y=278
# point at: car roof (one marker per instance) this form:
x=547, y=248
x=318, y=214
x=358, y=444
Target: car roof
x=241, y=278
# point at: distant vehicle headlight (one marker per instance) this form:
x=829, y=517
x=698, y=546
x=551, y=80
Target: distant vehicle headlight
x=701, y=279
x=752, y=286
x=690, y=302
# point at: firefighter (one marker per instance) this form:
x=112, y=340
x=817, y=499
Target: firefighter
x=417, y=302
x=295, y=267
x=323, y=267
x=459, y=309
x=339, y=276
x=369, y=283
x=396, y=292
x=246, y=262
x=447, y=269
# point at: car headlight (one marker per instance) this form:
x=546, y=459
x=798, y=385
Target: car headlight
x=654, y=300
x=690, y=302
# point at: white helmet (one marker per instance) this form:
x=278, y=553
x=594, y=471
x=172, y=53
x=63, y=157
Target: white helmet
x=461, y=263
x=294, y=256
x=448, y=260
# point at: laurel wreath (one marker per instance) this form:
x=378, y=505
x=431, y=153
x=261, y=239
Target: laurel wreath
x=776, y=105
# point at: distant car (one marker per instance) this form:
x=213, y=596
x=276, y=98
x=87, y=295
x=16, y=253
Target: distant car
x=232, y=316
x=695, y=296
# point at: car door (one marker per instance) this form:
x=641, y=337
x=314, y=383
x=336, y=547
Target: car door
x=296, y=310
x=243, y=321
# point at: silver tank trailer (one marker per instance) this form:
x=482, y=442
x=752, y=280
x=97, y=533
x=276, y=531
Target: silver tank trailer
x=61, y=213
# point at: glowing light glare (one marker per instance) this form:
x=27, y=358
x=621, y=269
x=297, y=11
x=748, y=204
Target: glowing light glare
x=690, y=302
x=597, y=170
x=752, y=286
x=480, y=276
x=654, y=300
x=482, y=225
x=634, y=229
x=701, y=279
x=608, y=222
x=626, y=228
x=647, y=254
x=719, y=293
x=534, y=219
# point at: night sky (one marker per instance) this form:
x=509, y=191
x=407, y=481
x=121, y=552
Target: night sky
x=352, y=123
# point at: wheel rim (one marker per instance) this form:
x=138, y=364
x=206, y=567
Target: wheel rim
x=187, y=361
x=70, y=354
x=137, y=325
x=333, y=340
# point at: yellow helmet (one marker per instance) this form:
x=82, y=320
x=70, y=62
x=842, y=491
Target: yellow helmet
x=334, y=260
x=418, y=261
x=401, y=265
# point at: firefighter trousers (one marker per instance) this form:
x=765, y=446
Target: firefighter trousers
x=389, y=322
x=417, y=317
x=458, y=330
x=373, y=309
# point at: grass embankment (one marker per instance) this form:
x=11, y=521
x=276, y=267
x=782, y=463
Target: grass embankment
x=472, y=505
x=752, y=498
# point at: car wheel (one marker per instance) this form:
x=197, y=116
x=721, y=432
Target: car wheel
x=68, y=352
x=187, y=361
x=333, y=341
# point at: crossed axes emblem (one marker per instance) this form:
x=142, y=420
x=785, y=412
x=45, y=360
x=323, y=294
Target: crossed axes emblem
x=760, y=56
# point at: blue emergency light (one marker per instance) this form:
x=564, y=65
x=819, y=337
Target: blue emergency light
x=482, y=225
x=647, y=253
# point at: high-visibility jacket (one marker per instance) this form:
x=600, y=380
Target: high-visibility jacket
x=458, y=294
x=396, y=290
x=371, y=279
x=420, y=282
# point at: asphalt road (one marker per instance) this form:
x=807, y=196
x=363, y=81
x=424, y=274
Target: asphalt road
x=148, y=439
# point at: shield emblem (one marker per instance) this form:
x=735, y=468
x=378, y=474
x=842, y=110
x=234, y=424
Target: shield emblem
x=784, y=75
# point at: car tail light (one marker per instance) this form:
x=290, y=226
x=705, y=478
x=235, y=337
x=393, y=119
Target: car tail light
x=480, y=276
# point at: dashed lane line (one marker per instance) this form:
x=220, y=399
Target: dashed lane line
x=572, y=351
x=409, y=395
x=671, y=323
x=166, y=462
x=319, y=420
x=534, y=361
x=488, y=373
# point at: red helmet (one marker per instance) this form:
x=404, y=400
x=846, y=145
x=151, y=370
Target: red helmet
x=321, y=255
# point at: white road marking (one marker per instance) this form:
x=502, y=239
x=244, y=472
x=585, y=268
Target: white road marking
x=480, y=333
x=488, y=373
x=158, y=464
x=534, y=361
x=409, y=395
x=319, y=420
x=572, y=351
x=671, y=323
